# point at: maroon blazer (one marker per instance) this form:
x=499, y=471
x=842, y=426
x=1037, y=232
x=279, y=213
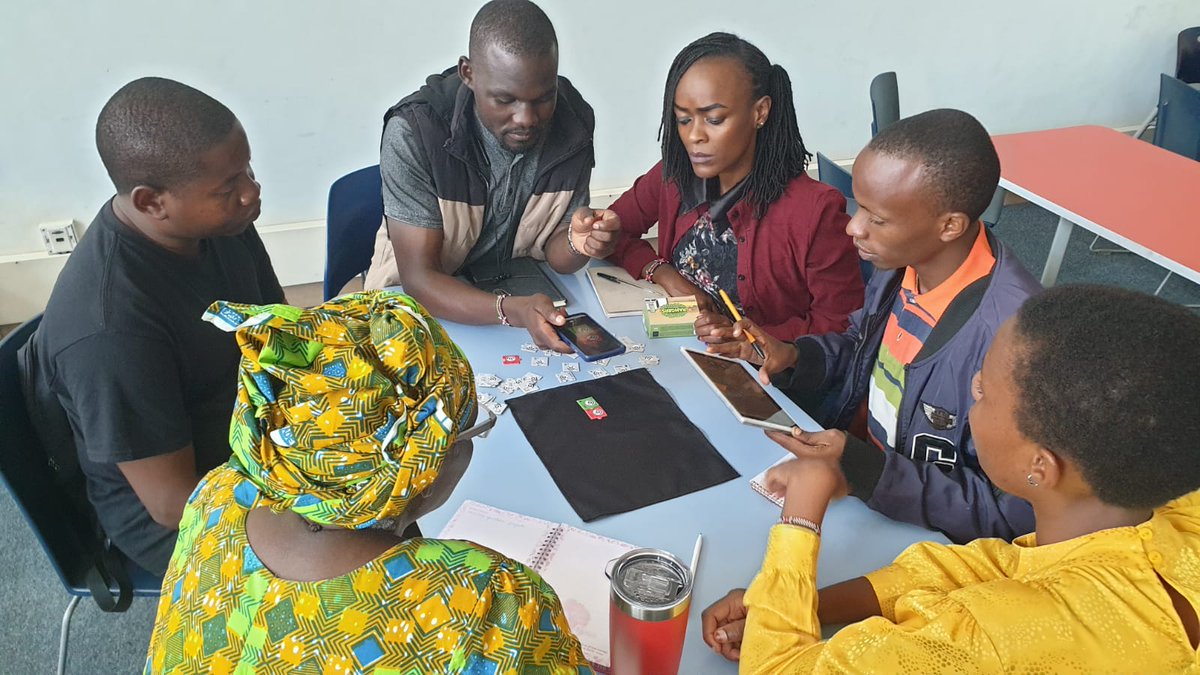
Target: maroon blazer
x=797, y=268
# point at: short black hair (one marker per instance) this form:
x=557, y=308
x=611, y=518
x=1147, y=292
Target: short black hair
x=779, y=153
x=1110, y=379
x=517, y=27
x=960, y=164
x=153, y=131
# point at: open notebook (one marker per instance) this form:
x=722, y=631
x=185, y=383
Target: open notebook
x=568, y=558
x=759, y=482
x=619, y=298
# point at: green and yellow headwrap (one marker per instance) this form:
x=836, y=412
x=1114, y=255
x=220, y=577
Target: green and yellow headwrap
x=344, y=412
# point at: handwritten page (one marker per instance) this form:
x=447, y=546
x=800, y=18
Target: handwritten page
x=516, y=536
x=575, y=567
x=571, y=560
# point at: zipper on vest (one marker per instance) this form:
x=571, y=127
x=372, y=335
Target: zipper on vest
x=872, y=324
x=902, y=421
x=545, y=169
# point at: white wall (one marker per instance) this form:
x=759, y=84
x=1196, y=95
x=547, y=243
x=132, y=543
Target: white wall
x=310, y=79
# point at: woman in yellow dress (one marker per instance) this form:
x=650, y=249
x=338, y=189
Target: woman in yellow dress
x=1087, y=407
x=351, y=421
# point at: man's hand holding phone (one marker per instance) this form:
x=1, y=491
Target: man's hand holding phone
x=538, y=315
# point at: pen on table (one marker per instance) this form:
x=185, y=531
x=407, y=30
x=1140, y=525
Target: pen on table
x=617, y=280
x=696, y=557
x=738, y=317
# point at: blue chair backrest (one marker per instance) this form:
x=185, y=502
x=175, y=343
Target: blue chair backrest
x=834, y=175
x=351, y=221
x=830, y=173
x=25, y=471
x=885, y=102
x=74, y=546
x=1178, y=125
x=1187, y=55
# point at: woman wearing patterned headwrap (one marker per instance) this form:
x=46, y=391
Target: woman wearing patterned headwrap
x=344, y=432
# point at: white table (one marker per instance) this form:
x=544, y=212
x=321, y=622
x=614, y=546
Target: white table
x=506, y=473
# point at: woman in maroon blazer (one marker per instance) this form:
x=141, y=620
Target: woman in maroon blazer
x=735, y=209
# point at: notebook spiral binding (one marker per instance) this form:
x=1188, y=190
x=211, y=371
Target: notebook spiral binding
x=546, y=548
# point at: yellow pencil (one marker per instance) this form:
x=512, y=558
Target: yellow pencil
x=738, y=317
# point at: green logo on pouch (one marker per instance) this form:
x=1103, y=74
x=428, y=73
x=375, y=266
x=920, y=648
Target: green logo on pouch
x=673, y=310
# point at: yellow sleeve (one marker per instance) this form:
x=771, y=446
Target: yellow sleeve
x=940, y=568
x=782, y=603
x=783, y=631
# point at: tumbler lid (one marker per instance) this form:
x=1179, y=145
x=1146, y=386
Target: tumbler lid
x=651, y=585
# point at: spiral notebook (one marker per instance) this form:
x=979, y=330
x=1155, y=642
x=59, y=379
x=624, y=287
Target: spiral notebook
x=759, y=482
x=570, y=559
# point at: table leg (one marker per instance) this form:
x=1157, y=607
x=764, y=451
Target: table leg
x=1058, y=248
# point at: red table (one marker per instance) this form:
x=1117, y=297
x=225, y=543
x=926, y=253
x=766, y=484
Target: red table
x=1130, y=192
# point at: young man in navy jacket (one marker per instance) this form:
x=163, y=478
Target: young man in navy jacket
x=942, y=287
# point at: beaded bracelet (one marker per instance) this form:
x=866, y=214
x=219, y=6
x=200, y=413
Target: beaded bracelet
x=648, y=273
x=571, y=246
x=797, y=521
x=500, y=296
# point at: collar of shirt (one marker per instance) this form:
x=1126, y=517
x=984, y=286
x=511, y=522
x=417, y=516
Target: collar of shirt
x=498, y=156
x=700, y=191
x=978, y=263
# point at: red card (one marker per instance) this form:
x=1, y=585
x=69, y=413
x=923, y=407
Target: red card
x=510, y=360
x=596, y=413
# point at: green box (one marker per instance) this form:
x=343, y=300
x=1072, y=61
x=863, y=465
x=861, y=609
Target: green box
x=671, y=317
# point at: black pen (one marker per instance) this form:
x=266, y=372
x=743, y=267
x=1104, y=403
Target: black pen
x=616, y=280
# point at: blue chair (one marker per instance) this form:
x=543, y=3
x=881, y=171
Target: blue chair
x=885, y=102
x=885, y=111
x=1187, y=55
x=1178, y=127
x=84, y=563
x=834, y=175
x=351, y=221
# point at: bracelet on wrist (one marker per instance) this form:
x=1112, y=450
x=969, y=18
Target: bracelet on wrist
x=797, y=521
x=571, y=246
x=500, y=315
x=652, y=266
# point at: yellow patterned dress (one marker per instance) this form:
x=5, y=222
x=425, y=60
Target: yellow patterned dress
x=424, y=606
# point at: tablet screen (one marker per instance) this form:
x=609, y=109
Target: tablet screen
x=738, y=387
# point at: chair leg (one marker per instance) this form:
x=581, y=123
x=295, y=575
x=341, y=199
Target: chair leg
x=1164, y=284
x=1146, y=124
x=66, y=629
x=1114, y=250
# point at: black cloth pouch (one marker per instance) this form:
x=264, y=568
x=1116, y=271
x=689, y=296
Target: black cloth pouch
x=644, y=452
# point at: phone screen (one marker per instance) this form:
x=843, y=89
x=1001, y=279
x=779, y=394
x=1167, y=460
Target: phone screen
x=587, y=335
x=737, y=386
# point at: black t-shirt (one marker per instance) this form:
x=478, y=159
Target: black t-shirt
x=124, y=350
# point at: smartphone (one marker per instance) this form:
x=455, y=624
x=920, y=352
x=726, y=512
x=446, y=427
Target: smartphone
x=741, y=392
x=588, y=338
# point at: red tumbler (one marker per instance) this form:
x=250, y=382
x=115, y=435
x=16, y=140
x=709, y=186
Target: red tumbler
x=648, y=612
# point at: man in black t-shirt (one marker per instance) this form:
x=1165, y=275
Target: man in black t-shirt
x=146, y=385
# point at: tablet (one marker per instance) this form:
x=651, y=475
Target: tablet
x=746, y=398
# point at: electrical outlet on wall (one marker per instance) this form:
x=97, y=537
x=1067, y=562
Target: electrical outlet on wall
x=58, y=236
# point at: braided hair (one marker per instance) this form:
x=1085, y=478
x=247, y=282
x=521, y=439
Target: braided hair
x=779, y=153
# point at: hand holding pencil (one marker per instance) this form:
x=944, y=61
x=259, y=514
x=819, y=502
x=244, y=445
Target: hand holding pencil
x=751, y=343
x=733, y=311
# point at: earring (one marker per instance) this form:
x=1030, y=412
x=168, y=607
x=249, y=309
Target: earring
x=1031, y=481
x=759, y=125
